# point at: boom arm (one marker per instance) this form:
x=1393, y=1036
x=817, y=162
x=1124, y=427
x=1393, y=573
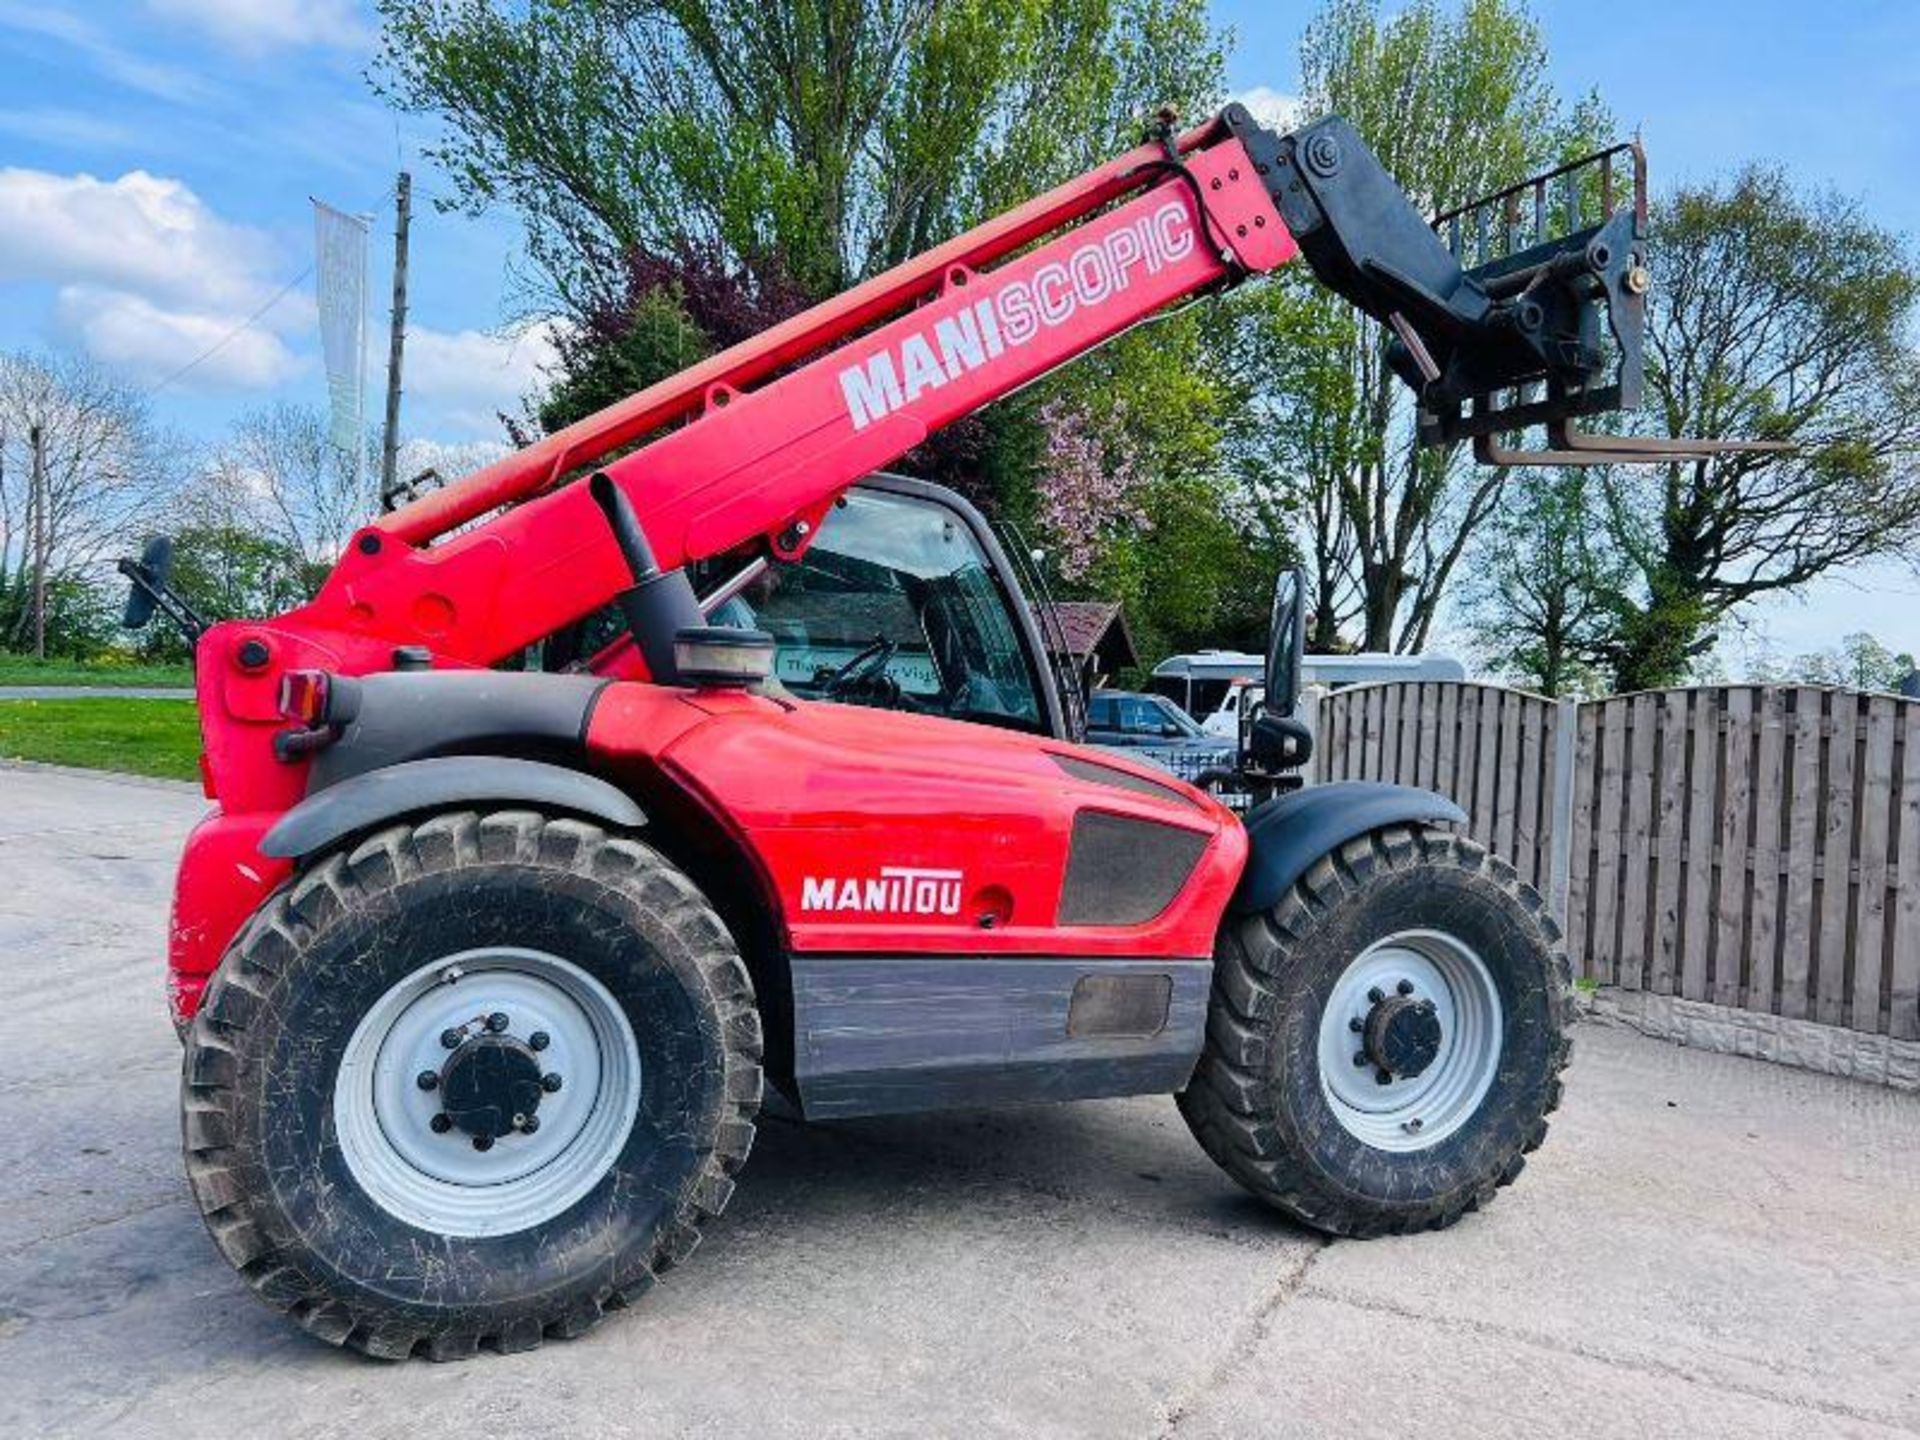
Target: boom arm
x=770, y=432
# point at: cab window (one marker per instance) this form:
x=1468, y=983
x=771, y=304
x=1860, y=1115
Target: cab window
x=895, y=605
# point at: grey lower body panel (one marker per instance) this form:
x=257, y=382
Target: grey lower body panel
x=890, y=1035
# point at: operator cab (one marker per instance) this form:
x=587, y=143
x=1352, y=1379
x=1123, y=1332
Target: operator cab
x=906, y=600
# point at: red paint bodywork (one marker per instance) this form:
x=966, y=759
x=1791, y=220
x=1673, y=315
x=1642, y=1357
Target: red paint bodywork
x=798, y=787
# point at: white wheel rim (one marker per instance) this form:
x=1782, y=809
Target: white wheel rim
x=438, y=1180
x=1412, y=1112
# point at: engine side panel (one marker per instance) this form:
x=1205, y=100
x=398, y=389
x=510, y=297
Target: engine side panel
x=887, y=834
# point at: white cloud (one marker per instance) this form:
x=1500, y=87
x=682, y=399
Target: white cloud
x=254, y=27
x=469, y=377
x=146, y=277
x=141, y=233
x=1272, y=108
x=151, y=343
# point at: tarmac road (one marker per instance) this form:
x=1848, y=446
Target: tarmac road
x=1706, y=1246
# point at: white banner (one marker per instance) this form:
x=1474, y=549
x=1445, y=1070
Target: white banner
x=340, y=288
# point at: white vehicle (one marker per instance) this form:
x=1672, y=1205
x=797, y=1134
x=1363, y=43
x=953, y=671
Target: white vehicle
x=1219, y=688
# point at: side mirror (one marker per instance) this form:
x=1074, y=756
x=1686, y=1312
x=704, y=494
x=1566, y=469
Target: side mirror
x=150, y=573
x=1278, y=742
x=1286, y=641
x=150, y=589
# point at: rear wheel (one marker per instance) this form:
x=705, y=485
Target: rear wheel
x=1384, y=1045
x=475, y=1081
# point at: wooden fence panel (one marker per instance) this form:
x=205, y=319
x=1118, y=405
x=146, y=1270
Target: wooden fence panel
x=1580, y=847
x=1802, y=856
x=1769, y=825
x=1876, y=839
x=1703, y=729
x=1730, y=957
x=1669, y=893
x=1904, y=949
x=1747, y=845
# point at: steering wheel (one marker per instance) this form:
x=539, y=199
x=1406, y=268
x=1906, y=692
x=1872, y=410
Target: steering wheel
x=871, y=659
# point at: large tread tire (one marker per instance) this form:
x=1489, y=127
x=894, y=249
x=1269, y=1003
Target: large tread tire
x=1255, y=1102
x=263, y=1052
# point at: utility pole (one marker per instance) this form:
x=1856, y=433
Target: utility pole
x=37, y=494
x=390, y=440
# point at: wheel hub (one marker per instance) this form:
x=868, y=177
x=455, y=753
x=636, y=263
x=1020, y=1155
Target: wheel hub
x=1402, y=1035
x=1410, y=1040
x=487, y=1091
x=491, y=1086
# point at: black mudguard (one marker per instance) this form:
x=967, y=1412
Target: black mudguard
x=1288, y=833
x=416, y=786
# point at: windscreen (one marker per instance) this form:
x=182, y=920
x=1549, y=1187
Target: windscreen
x=894, y=605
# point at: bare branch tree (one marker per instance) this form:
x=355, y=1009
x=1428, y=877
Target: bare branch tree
x=1785, y=316
x=108, y=468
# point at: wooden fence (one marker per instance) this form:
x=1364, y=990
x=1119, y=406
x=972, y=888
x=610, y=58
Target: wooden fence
x=1755, y=846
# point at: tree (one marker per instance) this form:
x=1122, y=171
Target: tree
x=691, y=173
x=1781, y=315
x=106, y=469
x=814, y=142
x=1858, y=662
x=1455, y=105
x=227, y=572
x=310, y=495
x=1541, y=600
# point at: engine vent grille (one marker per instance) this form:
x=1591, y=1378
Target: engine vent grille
x=1122, y=871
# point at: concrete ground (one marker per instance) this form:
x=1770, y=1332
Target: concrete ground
x=1706, y=1246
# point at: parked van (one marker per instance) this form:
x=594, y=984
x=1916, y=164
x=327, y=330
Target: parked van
x=1220, y=687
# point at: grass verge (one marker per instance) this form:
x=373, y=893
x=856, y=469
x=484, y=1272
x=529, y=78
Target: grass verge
x=25, y=670
x=136, y=737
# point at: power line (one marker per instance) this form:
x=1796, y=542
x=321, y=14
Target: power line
x=233, y=334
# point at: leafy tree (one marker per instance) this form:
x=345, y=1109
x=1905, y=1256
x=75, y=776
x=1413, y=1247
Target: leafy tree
x=815, y=142
x=1541, y=598
x=1858, y=662
x=1781, y=315
x=691, y=173
x=80, y=618
x=228, y=572
x=1456, y=104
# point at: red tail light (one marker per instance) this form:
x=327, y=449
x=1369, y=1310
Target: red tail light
x=304, y=695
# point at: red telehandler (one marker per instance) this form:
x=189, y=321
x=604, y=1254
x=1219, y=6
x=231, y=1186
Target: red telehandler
x=481, y=970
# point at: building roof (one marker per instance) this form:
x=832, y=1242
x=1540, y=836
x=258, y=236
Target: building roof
x=1091, y=626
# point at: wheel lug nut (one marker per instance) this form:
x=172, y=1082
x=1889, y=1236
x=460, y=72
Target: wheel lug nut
x=539, y=1040
x=483, y=1142
x=497, y=1021
x=1356, y=1024
x=1383, y=1077
x=550, y=1082
x=440, y=1124
x=1360, y=1058
x=1405, y=987
x=1376, y=994
x=530, y=1124
x=427, y=1079
x=451, y=1037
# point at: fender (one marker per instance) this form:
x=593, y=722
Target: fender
x=1288, y=833
x=364, y=801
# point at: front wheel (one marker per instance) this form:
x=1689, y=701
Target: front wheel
x=474, y=1081
x=1384, y=1045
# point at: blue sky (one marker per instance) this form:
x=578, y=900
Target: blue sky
x=156, y=159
